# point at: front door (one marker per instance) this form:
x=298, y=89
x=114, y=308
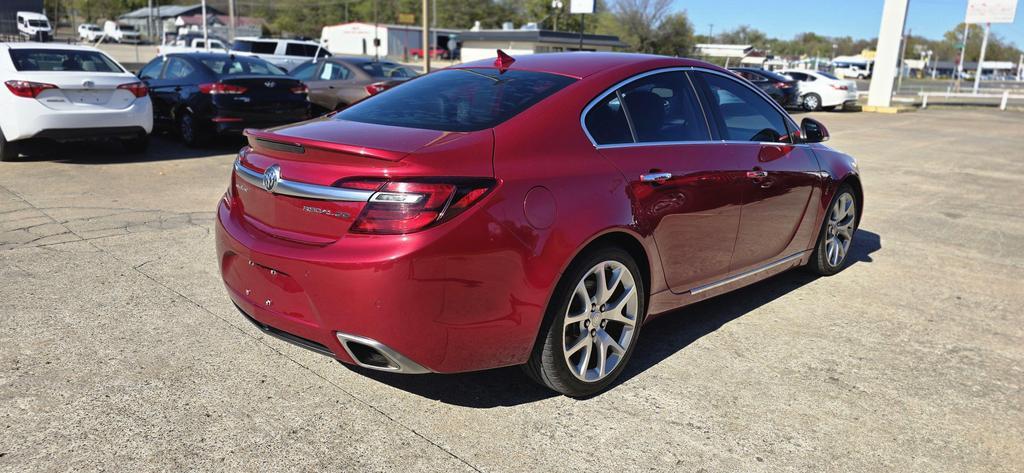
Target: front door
x=687, y=191
x=780, y=176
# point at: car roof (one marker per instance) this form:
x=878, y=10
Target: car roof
x=32, y=14
x=277, y=40
x=58, y=46
x=582, y=64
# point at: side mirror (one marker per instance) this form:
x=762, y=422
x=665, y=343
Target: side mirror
x=813, y=131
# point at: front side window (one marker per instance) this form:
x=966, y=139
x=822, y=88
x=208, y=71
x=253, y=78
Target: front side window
x=457, y=99
x=55, y=60
x=334, y=71
x=258, y=47
x=741, y=113
x=178, y=69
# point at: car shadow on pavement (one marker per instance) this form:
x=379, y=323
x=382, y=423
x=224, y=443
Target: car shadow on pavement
x=161, y=148
x=660, y=339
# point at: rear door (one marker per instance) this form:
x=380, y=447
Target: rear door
x=780, y=176
x=332, y=78
x=687, y=191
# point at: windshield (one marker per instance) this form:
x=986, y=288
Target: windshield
x=240, y=66
x=62, y=60
x=386, y=70
x=38, y=23
x=457, y=99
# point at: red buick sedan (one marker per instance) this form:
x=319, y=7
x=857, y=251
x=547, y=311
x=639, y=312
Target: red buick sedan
x=535, y=212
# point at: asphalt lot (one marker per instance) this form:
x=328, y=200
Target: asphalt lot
x=120, y=351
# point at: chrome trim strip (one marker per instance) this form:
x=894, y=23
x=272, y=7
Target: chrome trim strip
x=706, y=142
x=301, y=189
x=730, y=280
x=402, y=364
x=614, y=88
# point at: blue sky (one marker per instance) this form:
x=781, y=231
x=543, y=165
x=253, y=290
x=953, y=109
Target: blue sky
x=857, y=18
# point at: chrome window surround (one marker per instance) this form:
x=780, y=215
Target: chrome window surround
x=614, y=89
x=301, y=189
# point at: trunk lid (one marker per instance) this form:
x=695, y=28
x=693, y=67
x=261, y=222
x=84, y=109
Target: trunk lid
x=269, y=94
x=327, y=152
x=77, y=92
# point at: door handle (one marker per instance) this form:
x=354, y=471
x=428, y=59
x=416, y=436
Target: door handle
x=177, y=89
x=757, y=174
x=656, y=177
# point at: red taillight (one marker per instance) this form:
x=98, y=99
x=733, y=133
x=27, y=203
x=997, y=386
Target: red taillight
x=217, y=88
x=300, y=89
x=24, y=88
x=376, y=88
x=406, y=207
x=782, y=85
x=840, y=87
x=136, y=88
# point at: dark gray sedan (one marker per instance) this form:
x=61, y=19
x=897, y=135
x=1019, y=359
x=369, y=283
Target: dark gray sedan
x=339, y=81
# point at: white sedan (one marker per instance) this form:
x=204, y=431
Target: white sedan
x=821, y=90
x=69, y=93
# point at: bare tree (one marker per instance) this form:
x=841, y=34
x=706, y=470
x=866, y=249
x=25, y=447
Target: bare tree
x=639, y=21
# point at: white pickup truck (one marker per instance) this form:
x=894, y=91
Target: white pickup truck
x=191, y=44
x=121, y=33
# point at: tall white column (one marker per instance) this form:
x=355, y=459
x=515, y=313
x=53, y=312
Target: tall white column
x=981, y=58
x=894, y=17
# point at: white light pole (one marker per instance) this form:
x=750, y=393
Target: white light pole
x=206, y=37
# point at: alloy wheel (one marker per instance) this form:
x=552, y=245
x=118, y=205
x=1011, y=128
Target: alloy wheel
x=600, y=322
x=811, y=102
x=839, y=230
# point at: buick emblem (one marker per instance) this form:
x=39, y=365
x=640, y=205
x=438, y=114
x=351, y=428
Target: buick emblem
x=271, y=177
x=270, y=84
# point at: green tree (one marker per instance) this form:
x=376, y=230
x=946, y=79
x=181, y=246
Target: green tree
x=675, y=35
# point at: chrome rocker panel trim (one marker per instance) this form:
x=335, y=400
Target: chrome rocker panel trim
x=752, y=272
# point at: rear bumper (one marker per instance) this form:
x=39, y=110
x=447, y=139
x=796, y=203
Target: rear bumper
x=234, y=123
x=82, y=134
x=420, y=300
x=31, y=119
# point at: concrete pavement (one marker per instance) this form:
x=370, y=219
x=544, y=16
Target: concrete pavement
x=120, y=351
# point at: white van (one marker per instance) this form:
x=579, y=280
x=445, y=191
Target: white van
x=285, y=53
x=34, y=26
x=121, y=33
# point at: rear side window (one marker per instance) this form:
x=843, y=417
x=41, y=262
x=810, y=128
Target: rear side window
x=299, y=49
x=334, y=71
x=304, y=71
x=178, y=68
x=152, y=70
x=386, y=70
x=606, y=122
x=742, y=114
x=258, y=47
x=62, y=60
x=457, y=99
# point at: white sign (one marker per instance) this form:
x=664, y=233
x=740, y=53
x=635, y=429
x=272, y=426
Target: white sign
x=581, y=6
x=991, y=11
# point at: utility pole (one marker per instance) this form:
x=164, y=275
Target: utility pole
x=150, y=25
x=231, y=20
x=981, y=58
x=206, y=35
x=903, y=55
x=711, y=32
x=426, y=36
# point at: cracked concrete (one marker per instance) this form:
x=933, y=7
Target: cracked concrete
x=119, y=349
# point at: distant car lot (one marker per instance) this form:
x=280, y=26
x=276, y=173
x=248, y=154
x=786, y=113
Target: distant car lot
x=908, y=360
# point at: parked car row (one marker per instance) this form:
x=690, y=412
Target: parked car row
x=69, y=93
x=802, y=88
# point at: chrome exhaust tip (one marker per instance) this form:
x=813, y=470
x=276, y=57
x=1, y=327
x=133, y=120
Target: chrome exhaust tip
x=369, y=353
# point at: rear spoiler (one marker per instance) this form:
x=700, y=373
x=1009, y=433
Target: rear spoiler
x=261, y=140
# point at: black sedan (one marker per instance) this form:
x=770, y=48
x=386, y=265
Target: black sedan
x=201, y=95
x=781, y=88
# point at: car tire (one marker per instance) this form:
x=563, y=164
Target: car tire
x=811, y=102
x=136, y=145
x=829, y=108
x=191, y=131
x=581, y=322
x=8, y=150
x=836, y=235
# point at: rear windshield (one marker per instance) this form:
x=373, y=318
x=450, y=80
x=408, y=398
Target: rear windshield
x=457, y=99
x=241, y=66
x=386, y=70
x=62, y=60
